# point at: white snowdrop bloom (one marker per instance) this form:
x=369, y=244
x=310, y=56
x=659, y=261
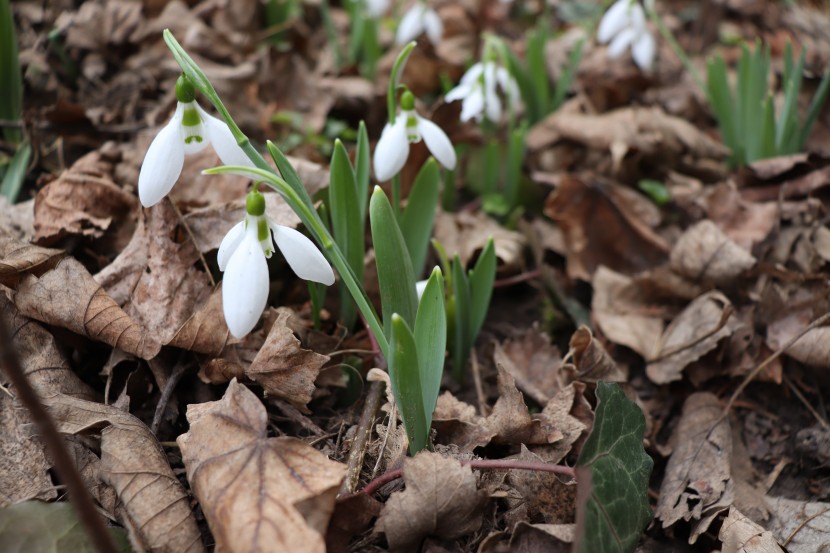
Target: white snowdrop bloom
x=420, y=19
x=376, y=8
x=479, y=92
x=624, y=25
x=420, y=286
x=392, y=149
x=242, y=256
x=189, y=131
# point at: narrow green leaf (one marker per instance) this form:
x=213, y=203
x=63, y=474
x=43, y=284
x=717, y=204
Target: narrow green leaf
x=357, y=30
x=766, y=146
x=405, y=376
x=16, y=172
x=815, y=107
x=567, y=76
x=537, y=63
x=720, y=97
x=394, y=78
x=395, y=276
x=481, y=282
x=11, y=83
x=431, y=340
x=461, y=326
x=38, y=526
x=613, y=472
x=419, y=216
x=361, y=169
x=655, y=190
x=289, y=174
x=515, y=159
x=524, y=81
x=787, y=128
x=492, y=166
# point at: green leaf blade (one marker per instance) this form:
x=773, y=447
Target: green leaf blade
x=481, y=281
x=419, y=216
x=394, y=267
x=11, y=89
x=361, y=169
x=16, y=172
x=461, y=315
x=405, y=376
x=431, y=340
x=613, y=474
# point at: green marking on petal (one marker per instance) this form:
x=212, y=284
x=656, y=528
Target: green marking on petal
x=190, y=139
x=191, y=118
x=262, y=229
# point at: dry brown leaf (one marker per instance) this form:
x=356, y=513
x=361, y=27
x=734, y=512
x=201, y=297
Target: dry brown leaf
x=623, y=313
x=511, y=420
x=458, y=424
x=746, y=223
x=591, y=362
x=698, y=483
x=543, y=495
x=257, y=493
x=17, y=220
x=18, y=257
x=134, y=464
x=441, y=500
x=533, y=362
x=741, y=535
x=466, y=234
x=83, y=200
x=87, y=311
x=813, y=348
x=691, y=335
x=206, y=330
x=803, y=525
x=602, y=228
x=705, y=254
x=282, y=367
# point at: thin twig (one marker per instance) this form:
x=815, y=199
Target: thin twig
x=361, y=438
x=167, y=391
x=193, y=241
x=78, y=494
x=757, y=370
x=482, y=403
x=518, y=279
x=480, y=464
x=806, y=403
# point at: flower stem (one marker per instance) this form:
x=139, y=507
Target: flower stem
x=396, y=194
x=678, y=50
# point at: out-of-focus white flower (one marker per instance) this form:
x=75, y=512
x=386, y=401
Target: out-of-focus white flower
x=392, y=149
x=624, y=25
x=479, y=92
x=420, y=286
x=420, y=19
x=189, y=131
x=376, y=8
x=242, y=256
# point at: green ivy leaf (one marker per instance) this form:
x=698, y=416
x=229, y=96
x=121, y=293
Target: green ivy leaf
x=613, y=472
x=48, y=528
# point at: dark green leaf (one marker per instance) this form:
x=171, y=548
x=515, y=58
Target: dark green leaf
x=567, y=76
x=16, y=172
x=11, y=84
x=815, y=107
x=395, y=276
x=48, y=528
x=481, y=288
x=361, y=170
x=405, y=376
x=655, y=190
x=613, y=473
x=461, y=325
x=289, y=174
x=720, y=97
x=419, y=215
x=431, y=340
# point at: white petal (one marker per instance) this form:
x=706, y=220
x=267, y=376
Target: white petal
x=492, y=103
x=222, y=140
x=621, y=42
x=302, y=255
x=614, y=21
x=376, y=8
x=411, y=25
x=245, y=286
x=391, y=150
x=458, y=93
x=420, y=286
x=163, y=163
x=473, y=73
x=229, y=244
x=509, y=86
x=473, y=105
x=434, y=27
x=437, y=142
x=643, y=51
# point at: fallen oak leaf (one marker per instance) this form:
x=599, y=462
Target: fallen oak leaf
x=88, y=310
x=441, y=500
x=257, y=493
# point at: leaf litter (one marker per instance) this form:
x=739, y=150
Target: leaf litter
x=684, y=299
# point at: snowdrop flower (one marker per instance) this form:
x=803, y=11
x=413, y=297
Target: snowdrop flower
x=376, y=8
x=242, y=256
x=624, y=25
x=478, y=92
x=392, y=149
x=420, y=19
x=189, y=131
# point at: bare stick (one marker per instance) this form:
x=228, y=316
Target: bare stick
x=361, y=438
x=193, y=241
x=78, y=494
x=166, y=392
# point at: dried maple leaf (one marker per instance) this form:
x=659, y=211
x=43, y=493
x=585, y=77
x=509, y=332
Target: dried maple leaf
x=257, y=493
x=441, y=500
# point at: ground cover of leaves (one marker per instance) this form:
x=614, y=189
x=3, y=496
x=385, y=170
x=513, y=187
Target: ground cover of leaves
x=191, y=440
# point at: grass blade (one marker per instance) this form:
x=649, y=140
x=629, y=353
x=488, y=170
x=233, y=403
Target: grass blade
x=16, y=172
x=361, y=169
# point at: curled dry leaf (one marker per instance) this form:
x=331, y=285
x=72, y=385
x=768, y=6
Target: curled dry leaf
x=441, y=500
x=88, y=310
x=18, y=257
x=705, y=254
x=803, y=526
x=698, y=484
x=466, y=234
x=206, y=330
x=458, y=424
x=741, y=535
x=17, y=220
x=590, y=360
x=533, y=362
x=691, y=335
x=623, y=313
x=746, y=223
x=602, y=227
x=511, y=420
x=257, y=493
x=83, y=200
x=813, y=348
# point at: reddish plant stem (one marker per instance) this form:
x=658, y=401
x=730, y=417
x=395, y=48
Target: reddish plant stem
x=517, y=279
x=79, y=496
x=480, y=464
